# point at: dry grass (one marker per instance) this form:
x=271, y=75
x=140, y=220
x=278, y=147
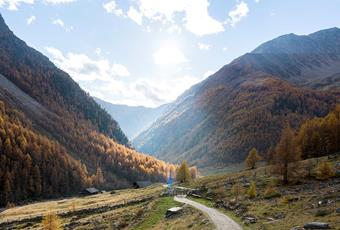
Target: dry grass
x=298, y=203
x=65, y=205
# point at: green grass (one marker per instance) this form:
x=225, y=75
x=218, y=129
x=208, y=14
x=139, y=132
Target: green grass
x=157, y=214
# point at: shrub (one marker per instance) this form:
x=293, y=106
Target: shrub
x=251, y=192
x=322, y=212
x=237, y=190
x=325, y=170
x=271, y=192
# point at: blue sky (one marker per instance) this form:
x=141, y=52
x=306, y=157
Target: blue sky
x=147, y=52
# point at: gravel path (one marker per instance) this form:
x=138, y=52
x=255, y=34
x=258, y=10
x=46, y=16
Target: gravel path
x=221, y=221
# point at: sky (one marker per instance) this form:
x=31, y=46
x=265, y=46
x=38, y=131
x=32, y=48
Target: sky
x=148, y=52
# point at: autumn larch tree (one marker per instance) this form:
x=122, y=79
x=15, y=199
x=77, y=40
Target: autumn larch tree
x=51, y=222
x=252, y=158
x=183, y=174
x=286, y=152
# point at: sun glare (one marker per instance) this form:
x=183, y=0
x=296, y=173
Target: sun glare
x=169, y=54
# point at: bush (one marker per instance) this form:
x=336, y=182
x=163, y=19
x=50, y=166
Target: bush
x=251, y=192
x=325, y=170
x=271, y=192
x=322, y=212
x=237, y=190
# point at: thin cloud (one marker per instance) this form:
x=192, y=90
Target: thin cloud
x=112, y=7
x=61, y=24
x=240, y=11
x=30, y=20
x=135, y=16
x=194, y=13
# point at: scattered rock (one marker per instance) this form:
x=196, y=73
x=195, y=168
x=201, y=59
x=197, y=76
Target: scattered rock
x=173, y=211
x=249, y=219
x=337, y=210
x=297, y=228
x=324, y=202
x=279, y=215
x=316, y=225
x=270, y=219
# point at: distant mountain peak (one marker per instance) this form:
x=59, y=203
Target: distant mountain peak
x=323, y=41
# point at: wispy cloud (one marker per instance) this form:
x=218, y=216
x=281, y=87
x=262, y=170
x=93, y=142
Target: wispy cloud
x=108, y=81
x=61, y=24
x=194, y=14
x=111, y=7
x=14, y=4
x=240, y=11
x=134, y=15
x=30, y=20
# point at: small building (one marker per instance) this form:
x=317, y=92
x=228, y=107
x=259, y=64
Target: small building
x=90, y=191
x=141, y=184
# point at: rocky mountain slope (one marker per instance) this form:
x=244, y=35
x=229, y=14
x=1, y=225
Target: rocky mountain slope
x=247, y=102
x=54, y=138
x=132, y=119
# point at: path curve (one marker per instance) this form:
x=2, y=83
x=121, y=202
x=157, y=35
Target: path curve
x=221, y=221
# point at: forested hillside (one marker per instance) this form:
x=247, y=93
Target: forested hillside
x=55, y=139
x=247, y=102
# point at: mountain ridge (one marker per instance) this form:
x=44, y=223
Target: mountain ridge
x=132, y=119
x=192, y=127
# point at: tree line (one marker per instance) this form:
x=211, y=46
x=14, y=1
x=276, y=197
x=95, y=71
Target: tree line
x=316, y=137
x=33, y=166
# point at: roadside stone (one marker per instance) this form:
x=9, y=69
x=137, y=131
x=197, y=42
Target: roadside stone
x=297, y=228
x=249, y=219
x=279, y=215
x=316, y=225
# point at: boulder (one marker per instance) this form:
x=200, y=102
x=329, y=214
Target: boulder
x=316, y=225
x=249, y=219
x=173, y=211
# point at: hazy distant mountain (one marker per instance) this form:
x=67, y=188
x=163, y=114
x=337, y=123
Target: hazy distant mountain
x=247, y=102
x=54, y=138
x=132, y=119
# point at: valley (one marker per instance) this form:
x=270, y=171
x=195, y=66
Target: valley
x=169, y=115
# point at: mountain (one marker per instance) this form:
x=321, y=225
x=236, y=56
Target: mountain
x=54, y=138
x=132, y=119
x=247, y=102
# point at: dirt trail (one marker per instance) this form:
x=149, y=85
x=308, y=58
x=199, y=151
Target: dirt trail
x=221, y=221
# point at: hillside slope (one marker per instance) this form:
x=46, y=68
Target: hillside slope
x=54, y=138
x=247, y=102
x=132, y=119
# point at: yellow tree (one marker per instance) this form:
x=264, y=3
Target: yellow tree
x=183, y=173
x=252, y=158
x=251, y=192
x=286, y=152
x=51, y=222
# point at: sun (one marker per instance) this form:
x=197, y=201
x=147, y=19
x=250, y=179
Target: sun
x=169, y=54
